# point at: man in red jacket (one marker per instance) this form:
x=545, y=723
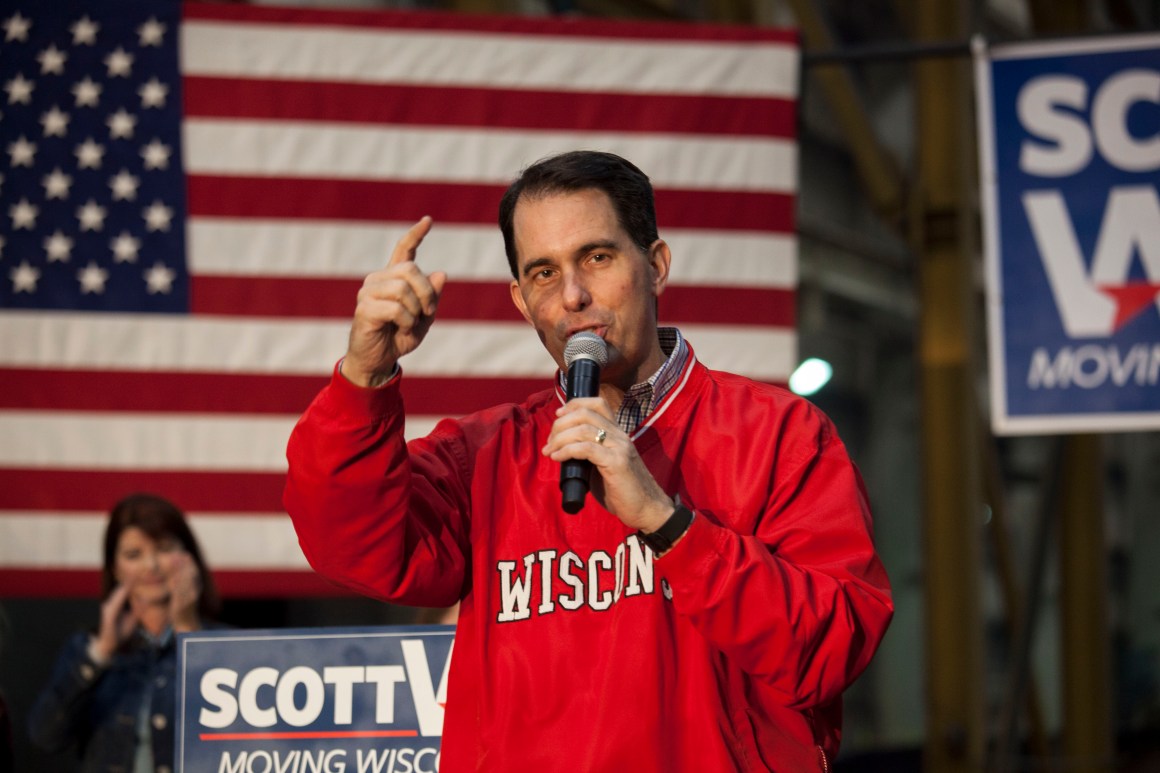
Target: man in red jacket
x=716, y=594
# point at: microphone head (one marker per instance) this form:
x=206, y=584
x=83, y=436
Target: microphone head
x=586, y=345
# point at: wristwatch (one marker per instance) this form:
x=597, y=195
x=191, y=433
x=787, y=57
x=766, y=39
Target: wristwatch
x=670, y=531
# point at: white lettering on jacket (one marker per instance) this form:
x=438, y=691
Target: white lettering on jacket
x=597, y=581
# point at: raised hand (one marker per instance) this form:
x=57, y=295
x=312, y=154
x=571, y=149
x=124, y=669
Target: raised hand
x=118, y=622
x=184, y=584
x=395, y=309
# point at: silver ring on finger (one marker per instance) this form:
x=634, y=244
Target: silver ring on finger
x=600, y=436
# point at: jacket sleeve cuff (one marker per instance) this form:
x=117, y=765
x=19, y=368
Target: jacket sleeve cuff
x=371, y=403
x=687, y=565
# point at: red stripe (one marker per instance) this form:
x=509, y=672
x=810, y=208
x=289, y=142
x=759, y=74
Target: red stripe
x=470, y=301
x=86, y=583
x=70, y=490
x=155, y=391
x=299, y=197
x=492, y=108
x=430, y=20
x=168, y=392
x=744, y=210
x=335, y=298
x=382, y=201
x=308, y=734
x=729, y=306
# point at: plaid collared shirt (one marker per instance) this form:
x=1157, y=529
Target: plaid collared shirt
x=639, y=400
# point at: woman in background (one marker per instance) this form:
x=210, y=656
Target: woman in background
x=111, y=696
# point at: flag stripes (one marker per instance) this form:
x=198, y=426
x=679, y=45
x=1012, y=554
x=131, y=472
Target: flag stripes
x=310, y=141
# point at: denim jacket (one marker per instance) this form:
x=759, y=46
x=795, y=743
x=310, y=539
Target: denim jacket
x=96, y=710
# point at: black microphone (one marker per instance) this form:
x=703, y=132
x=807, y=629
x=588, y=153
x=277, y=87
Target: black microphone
x=584, y=356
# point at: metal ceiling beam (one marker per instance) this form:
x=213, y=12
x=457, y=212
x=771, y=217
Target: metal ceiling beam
x=876, y=168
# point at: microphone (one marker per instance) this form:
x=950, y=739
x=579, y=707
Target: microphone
x=584, y=356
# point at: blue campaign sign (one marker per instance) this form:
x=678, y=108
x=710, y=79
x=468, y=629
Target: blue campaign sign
x=1069, y=137
x=321, y=700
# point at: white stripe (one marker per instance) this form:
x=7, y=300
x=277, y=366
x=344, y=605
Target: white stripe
x=144, y=441
x=246, y=247
x=474, y=156
x=169, y=342
x=764, y=354
x=236, y=345
x=504, y=60
x=240, y=345
x=134, y=441
x=247, y=541
x=68, y=540
x=707, y=258
x=243, y=247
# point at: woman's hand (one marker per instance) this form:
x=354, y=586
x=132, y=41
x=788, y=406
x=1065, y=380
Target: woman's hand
x=117, y=624
x=184, y=582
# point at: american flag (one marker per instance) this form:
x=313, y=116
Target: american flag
x=191, y=195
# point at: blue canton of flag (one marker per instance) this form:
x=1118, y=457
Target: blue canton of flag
x=92, y=195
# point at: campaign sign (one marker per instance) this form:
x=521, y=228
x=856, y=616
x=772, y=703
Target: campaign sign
x=1070, y=160
x=321, y=700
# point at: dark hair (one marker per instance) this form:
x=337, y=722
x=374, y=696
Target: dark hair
x=627, y=187
x=158, y=518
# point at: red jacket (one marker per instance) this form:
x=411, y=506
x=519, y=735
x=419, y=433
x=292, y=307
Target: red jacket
x=575, y=648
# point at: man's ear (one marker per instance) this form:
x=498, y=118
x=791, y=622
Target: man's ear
x=659, y=258
x=518, y=300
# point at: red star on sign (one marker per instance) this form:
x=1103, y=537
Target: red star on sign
x=1131, y=299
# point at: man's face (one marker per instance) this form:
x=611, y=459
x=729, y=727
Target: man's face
x=579, y=270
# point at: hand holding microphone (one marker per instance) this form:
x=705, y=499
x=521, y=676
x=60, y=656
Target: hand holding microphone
x=626, y=488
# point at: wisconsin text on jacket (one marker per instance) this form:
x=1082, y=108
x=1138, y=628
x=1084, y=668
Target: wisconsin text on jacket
x=596, y=582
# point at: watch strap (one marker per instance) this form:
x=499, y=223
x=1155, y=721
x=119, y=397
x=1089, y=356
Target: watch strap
x=670, y=531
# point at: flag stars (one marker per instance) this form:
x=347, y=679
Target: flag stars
x=56, y=184
x=16, y=27
x=151, y=33
x=55, y=122
x=119, y=63
x=157, y=216
x=91, y=216
x=159, y=279
x=89, y=154
x=19, y=90
x=58, y=247
x=124, y=186
x=92, y=278
x=52, y=61
x=121, y=124
x=21, y=152
x=87, y=92
x=153, y=93
x=23, y=214
x=84, y=31
x=24, y=278
x=156, y=155
x=125, y=248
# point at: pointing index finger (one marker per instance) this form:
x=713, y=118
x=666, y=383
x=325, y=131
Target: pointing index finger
x=408, y=246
